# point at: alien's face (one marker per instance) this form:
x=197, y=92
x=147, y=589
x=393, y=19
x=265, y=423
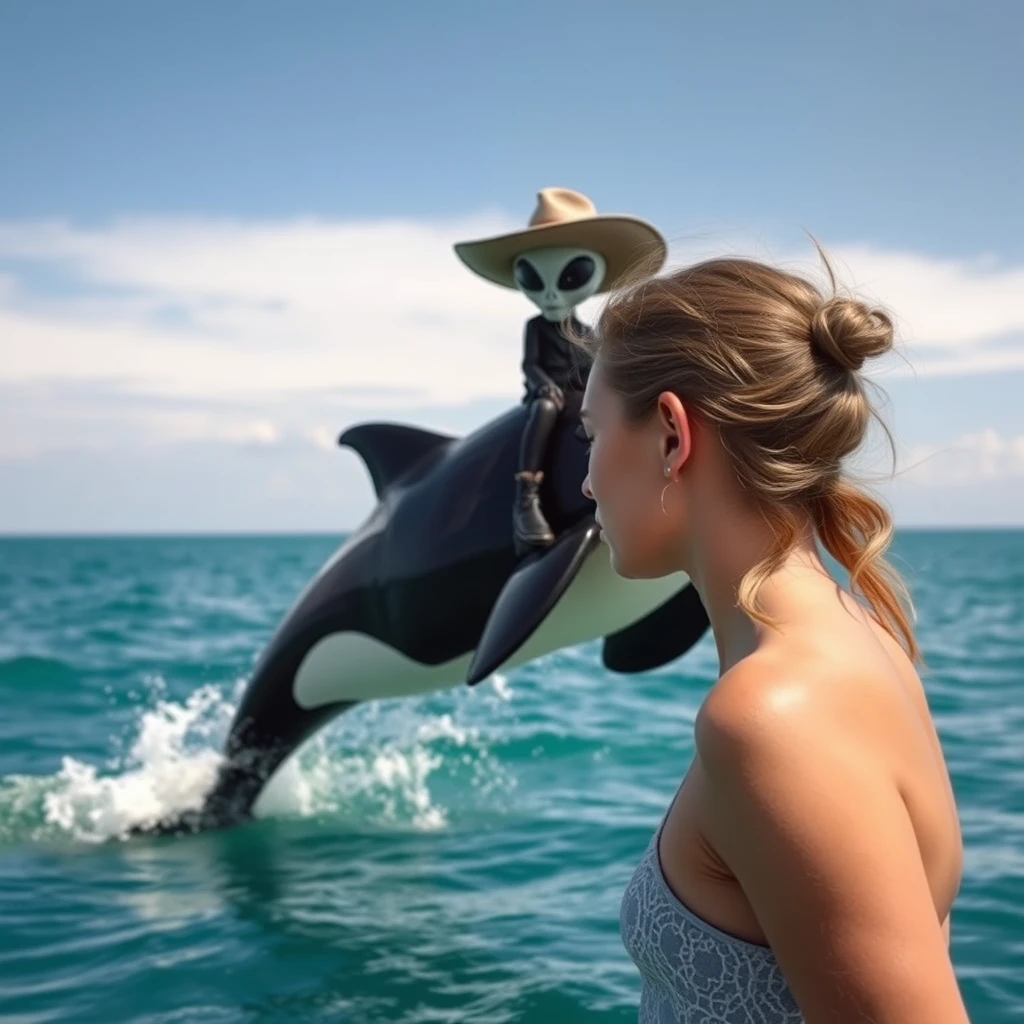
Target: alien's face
x=556, y=280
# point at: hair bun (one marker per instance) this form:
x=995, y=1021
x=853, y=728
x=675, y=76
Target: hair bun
x=848, y=332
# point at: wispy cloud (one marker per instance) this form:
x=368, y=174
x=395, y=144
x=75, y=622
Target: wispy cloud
x=942, y=305
x=953, y=316
x=109, y=414
x=972, y=458
x=242, y=310
x=184, y=329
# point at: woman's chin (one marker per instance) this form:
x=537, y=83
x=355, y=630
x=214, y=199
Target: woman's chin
x=620, y=565
x=632, y=568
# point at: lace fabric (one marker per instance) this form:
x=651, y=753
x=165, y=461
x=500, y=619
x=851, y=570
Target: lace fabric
x=692, y=972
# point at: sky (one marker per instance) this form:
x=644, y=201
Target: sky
x=226, y=230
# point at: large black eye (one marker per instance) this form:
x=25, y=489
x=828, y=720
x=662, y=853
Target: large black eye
x=528, y=278
x=576, y=274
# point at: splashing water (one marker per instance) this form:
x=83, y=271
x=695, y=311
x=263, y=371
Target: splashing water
x=173, y=764
x=374, y=764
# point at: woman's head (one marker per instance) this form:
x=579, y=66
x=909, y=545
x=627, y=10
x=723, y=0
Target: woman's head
x=731, y=382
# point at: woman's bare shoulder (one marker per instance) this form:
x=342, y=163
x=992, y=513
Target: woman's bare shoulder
x=810, y=822
x=856, y=699
x=771, y=695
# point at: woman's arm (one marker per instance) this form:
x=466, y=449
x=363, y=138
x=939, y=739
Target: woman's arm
x=817, y=835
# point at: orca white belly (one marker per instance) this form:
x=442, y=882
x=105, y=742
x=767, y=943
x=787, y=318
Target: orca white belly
x=354, y=666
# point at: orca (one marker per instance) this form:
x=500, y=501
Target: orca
x=429, y=592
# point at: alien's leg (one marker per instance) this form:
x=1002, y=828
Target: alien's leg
x=530, y=526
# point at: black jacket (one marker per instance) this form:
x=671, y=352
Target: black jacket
x=548, y=358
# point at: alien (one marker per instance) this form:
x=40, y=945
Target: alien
x=567, y=254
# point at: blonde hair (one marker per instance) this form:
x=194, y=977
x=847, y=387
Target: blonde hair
x=773, y=365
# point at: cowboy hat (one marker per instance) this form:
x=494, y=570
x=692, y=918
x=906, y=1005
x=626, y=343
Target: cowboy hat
x=564, y=217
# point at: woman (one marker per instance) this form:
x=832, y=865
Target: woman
x=806, y=867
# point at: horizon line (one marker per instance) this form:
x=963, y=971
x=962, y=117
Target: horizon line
x=213, y=533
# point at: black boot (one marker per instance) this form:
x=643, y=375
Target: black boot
x=531, y=528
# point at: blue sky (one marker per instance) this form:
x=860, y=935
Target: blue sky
x=226, y=229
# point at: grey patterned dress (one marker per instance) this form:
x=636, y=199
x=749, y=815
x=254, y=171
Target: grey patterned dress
x=691, y=972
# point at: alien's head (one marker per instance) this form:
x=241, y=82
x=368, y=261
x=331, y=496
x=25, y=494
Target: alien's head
x=557, y=279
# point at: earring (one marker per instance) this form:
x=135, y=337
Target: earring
x=668, y=472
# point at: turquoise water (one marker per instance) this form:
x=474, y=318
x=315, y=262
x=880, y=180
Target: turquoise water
x=455, y=857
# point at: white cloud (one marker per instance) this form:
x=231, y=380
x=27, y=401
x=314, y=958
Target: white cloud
x=239, y=332
x=953, y=316
x=242, y=310
x=63, y=415
x=970, y=459
x=941, y=304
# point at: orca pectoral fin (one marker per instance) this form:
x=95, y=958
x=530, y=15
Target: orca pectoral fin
x=529, y=595
x=662, y=636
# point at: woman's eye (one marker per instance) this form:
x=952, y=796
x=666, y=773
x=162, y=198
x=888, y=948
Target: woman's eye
x=582, y=435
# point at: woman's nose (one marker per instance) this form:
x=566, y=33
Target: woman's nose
x=585, y=487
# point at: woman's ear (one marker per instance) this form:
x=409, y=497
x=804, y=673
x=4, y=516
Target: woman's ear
x=676, y=435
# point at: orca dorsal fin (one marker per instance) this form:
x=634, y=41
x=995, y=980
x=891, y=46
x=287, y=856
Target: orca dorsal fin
x=390, y=450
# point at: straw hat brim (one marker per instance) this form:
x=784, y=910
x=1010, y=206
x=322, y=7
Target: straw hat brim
x=624, y=242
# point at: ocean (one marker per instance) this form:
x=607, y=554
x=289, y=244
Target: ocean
x=458, y=856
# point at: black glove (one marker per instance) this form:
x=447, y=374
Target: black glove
x=553, y=393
